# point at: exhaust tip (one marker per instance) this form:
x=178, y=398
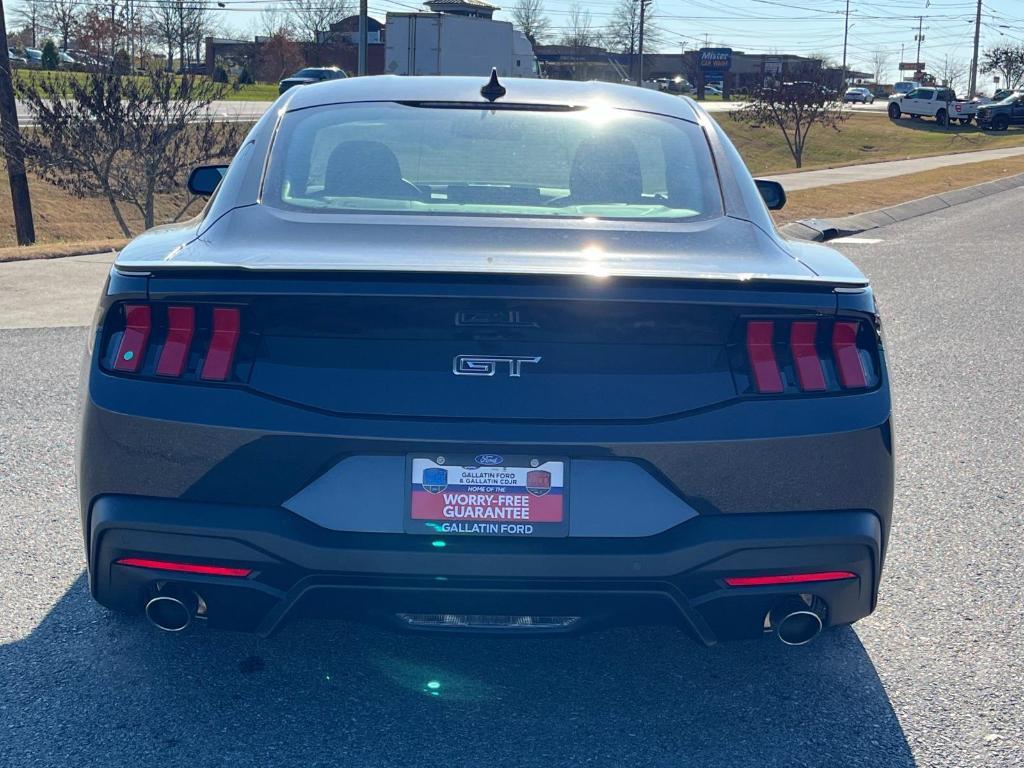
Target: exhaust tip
x=796, y=622
x=799, y=627
x=168, y=613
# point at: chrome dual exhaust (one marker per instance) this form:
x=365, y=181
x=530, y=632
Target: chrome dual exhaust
x=795, y=622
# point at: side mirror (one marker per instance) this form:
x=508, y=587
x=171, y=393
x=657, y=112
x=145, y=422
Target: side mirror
x=772, y=193
x=204, y=179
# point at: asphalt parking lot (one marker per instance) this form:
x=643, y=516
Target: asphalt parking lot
x=934, y=678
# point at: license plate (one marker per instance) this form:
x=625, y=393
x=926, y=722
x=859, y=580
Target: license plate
x=486, y=495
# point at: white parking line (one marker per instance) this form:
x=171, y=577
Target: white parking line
x=857, y=240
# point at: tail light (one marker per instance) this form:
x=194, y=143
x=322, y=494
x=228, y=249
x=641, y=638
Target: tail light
x=166, y=565
x=137, y=326
x=792, y=356
x=176, y=341
x=788, y=578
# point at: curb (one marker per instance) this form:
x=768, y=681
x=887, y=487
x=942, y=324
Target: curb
x=821, y=230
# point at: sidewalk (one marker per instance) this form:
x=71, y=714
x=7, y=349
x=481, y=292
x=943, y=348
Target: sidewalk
x=793, y=182
x=51, y=293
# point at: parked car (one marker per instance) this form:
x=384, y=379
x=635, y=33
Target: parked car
x=479, y=390
x=1001, y=115
x=34, y=56
x=15, y=58
x=859, y=95
x=65, y=58
x=940, y=103
x=712, y=90
x=310, y=75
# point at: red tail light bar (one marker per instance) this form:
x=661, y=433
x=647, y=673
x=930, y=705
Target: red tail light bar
x=181, y=322
x=165, y=565
x=788, y=578
x=176, y=341
x=137, y=326
x=808, y=356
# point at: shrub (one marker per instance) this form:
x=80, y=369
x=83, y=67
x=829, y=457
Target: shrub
x=51, y=59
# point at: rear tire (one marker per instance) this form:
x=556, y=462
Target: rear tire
x=1000, y=123
x=894, y=112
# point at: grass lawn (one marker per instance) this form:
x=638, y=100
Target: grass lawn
x=864, y=138
x=255, y=92
x=846, y=199
x=63, y=219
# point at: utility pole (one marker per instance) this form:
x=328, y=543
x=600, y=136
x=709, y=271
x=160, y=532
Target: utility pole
x=846, y=35
x=362, y=36
x=974, y=59
x=920, y=38
x=13, y=152
x=640, y=45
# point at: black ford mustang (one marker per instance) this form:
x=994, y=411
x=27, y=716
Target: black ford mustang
x=528, y=357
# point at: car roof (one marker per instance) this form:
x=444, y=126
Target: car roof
x=467, y=89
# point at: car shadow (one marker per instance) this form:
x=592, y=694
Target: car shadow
x=969, y=133
x=91, y=687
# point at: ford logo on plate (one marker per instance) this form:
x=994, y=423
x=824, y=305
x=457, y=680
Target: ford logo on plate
x=489, y=460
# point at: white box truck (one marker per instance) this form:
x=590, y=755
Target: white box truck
x=448, y=44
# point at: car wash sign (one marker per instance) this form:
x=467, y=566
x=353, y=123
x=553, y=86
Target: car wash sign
x=715, y=60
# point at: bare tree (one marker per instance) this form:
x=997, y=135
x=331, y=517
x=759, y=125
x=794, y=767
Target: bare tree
x=579, y=34
x=1007, y=61
x=794, y=109
x=124, y=138
x=278, y=56
x=952, y=73
x=531, y=19
x=32, y=15
x=62, y=17
x=273, y=20
x=312, y=20
x=880, y=61
x=181, y=25
x=622, y=33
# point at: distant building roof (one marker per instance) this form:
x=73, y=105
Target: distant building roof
x=477, y=3
x=478, y=8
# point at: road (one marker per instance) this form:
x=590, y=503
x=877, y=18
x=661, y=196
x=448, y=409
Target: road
x=934, y=678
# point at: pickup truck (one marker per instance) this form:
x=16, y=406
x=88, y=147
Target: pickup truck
x=998, y=116
x=940, y=103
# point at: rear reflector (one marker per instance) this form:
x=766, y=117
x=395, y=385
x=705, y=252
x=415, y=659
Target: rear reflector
x=788, y=578
x=848, y=362
x=164, y=565
x=802, y=336
x=761, y=352
x=223, y=343
x=181, y=324
x=137, y=324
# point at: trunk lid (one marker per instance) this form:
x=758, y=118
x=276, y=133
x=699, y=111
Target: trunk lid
x=490, y=348
x=261, y=238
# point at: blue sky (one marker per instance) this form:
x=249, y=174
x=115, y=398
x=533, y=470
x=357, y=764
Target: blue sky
x=786, y=26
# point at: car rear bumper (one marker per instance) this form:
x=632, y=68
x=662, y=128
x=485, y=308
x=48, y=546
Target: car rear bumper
x=300, y=569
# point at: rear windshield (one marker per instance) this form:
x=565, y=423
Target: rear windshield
x=388, y=158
